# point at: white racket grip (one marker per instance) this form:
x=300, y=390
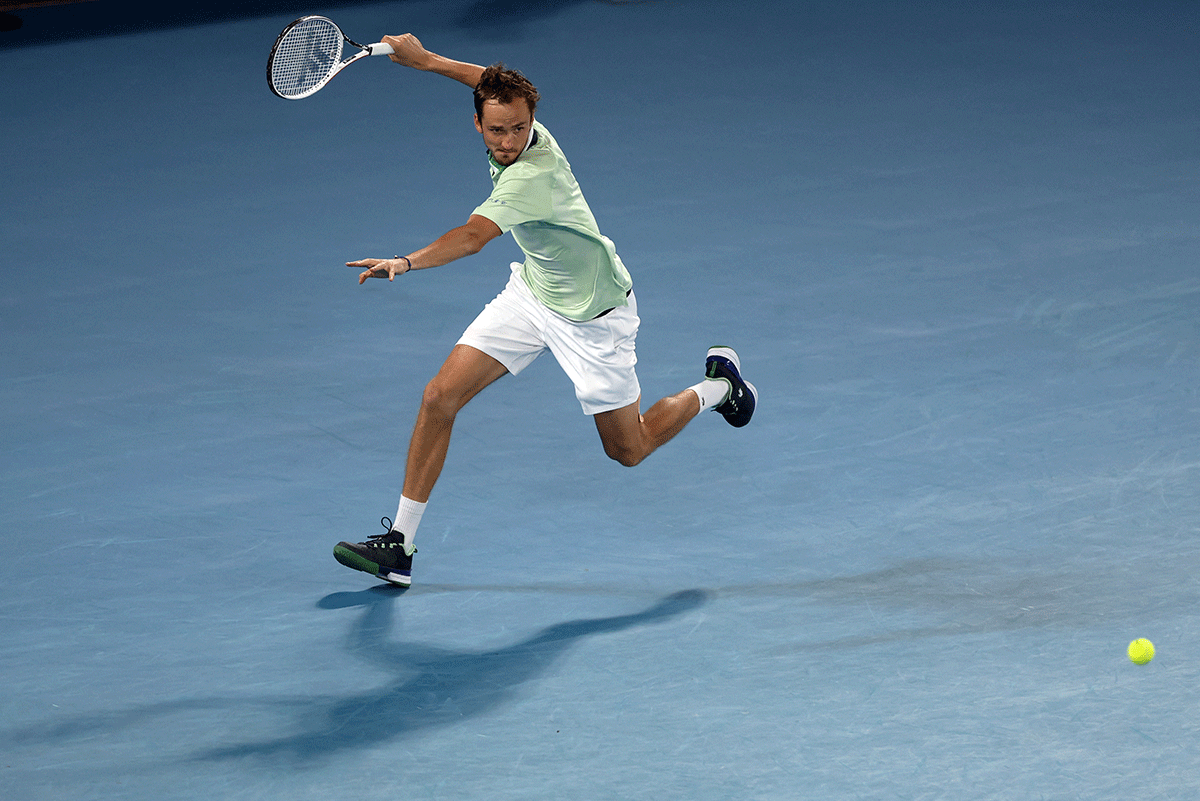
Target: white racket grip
x=380, y=49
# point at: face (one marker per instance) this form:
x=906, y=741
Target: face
x=505, y=128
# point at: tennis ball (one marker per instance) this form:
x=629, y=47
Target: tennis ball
x=1141, y=651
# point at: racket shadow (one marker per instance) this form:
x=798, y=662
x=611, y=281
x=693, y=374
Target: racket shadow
x=435, y=686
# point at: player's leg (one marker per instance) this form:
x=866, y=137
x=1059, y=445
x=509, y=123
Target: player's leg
x=464, y=375
x=503, y=338
x=600, y=358
x=629, y=436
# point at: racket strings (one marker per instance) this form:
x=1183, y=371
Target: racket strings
x=305, y=56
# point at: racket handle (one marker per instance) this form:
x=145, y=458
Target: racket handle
x=380, y=49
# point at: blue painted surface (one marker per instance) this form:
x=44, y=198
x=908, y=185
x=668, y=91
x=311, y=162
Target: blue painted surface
x=956, y=248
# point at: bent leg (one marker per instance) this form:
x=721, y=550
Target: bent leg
x=629, y=436
x=463, y=376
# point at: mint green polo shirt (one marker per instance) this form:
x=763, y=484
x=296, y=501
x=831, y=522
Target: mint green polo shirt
x=569, y=265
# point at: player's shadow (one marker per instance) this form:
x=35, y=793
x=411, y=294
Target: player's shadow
x=436, y=687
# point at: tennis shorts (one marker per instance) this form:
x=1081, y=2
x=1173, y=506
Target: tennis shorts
x=598, y=355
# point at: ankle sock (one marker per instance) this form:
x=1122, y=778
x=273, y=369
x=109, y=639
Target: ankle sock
x=408, y=519
x=711, y=392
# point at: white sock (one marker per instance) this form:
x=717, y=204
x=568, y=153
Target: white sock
x=408, y=519
x=711, y=392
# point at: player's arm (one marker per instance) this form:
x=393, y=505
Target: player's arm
x=465, y=240
x=408, y=51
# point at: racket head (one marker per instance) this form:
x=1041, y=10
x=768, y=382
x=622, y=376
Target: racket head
x=304, y=57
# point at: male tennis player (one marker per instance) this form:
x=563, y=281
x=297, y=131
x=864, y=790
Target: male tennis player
x=571, y=296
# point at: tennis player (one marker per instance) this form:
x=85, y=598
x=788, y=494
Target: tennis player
x=572, y=296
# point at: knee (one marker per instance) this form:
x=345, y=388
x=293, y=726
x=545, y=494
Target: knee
x=437, y=401
x=624, y=454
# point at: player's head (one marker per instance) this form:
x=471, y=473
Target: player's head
x=504, y=104
x=504, y=86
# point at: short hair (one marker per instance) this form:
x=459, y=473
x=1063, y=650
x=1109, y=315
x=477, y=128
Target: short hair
x=504, y=86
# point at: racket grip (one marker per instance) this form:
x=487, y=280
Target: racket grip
x=380, y=49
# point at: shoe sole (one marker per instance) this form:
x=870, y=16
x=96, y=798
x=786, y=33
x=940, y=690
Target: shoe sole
x=356, y=562
x=726, y=353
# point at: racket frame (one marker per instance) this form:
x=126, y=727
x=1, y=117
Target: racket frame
x=376, y=49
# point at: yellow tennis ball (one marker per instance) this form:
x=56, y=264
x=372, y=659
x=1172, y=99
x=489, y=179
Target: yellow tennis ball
x=1141, y=651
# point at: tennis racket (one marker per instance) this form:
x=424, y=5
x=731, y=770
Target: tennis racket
x=309, y=53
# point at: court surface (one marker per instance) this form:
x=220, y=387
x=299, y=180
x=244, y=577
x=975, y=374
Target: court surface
x=955, y=244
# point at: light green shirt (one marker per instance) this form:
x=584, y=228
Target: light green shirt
x=569, y=265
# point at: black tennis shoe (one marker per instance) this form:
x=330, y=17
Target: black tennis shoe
x=382, y=555
x=738, y=408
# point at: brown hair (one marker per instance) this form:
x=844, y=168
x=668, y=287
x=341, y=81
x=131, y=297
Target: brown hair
x=504, y=86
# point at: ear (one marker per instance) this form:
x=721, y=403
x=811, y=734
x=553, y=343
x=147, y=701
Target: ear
x=478, y=124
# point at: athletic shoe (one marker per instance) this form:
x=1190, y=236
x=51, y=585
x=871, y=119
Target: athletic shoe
x=382, y=555
x=737, y=409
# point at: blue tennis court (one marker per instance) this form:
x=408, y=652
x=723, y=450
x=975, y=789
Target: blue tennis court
x=956, y=246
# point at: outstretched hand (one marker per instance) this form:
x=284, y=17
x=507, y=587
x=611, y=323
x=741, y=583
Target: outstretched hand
x=380, y=268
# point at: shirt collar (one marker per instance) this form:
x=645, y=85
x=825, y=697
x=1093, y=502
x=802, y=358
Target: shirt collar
x=530, y=142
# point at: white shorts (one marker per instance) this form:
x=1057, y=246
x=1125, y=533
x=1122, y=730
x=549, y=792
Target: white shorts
x=598, y=355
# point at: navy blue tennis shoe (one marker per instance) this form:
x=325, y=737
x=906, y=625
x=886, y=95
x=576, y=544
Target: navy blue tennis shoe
x=738, y=407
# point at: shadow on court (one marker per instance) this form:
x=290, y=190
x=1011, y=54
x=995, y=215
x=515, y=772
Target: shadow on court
x=438, y=686
x=434, y=687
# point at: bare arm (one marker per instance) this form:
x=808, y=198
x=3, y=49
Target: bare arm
x=409, y=52
x=465, y=240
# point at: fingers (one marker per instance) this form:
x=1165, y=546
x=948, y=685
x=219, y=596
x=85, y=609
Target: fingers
x=407, y=50
x=378, y=268
x=371, y=264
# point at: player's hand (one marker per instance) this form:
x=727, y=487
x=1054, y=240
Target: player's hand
x=408, y=51
x=380, y=268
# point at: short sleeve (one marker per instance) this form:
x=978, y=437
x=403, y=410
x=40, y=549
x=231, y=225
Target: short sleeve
x=522, y=194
